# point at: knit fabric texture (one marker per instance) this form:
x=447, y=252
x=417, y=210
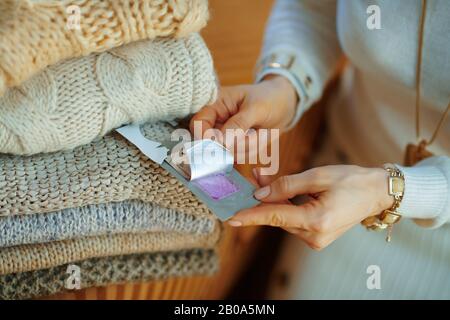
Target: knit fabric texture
x=109, y=169
x=78, y=100
x=38, y=33
x=93, y=220
x=99, y=272
x=47, y=255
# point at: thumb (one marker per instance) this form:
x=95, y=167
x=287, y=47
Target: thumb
x=263, y=180
x=287, y=187
x=237, y=126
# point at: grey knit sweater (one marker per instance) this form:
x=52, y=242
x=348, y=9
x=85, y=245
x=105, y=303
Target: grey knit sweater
x=94, y=220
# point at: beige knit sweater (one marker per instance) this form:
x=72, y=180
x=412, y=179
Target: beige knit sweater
x=99, y=272
x=47, y=255
x=73, y=102
x=37, y=33
x=108, y=169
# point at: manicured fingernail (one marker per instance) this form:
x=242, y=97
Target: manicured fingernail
x=235, y=223
x=262, y=193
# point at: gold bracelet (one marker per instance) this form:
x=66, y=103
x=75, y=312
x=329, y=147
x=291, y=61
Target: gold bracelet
x=387, y=219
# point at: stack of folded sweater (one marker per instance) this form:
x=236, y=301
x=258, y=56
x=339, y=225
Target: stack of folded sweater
x=74, y=192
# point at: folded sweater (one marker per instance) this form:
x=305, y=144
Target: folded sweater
x=93, y=220
x=109, y=169
x=37, y=33
x=99, y=272
x=76, y=101
x=47, y=255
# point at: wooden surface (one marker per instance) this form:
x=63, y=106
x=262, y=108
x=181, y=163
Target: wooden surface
x=234, y=36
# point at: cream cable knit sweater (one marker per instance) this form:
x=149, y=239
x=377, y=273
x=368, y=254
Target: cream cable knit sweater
x=72, y=103
x=37, y=33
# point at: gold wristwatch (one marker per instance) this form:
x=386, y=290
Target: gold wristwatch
x=387, y=219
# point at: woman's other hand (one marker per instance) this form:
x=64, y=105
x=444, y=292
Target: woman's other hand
x=341, y=196
x=268, y=104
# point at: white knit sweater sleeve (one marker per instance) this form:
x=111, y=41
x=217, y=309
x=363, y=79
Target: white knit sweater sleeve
x=305, y=29
x=427, y=192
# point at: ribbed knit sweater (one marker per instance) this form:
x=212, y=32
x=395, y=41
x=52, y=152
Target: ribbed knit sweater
x=76, y=101
x=35, y=34
x=111, y=270
x=47, y=255
x=131, y=216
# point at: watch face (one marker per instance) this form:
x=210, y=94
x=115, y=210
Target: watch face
x=396, y=186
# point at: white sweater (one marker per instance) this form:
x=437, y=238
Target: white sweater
x=374, y=117
x=73, y=102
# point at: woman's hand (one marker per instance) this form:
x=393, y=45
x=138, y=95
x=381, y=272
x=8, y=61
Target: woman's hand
x=268, y=104
x=341, y=196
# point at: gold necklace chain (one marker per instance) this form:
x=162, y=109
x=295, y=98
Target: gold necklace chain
x=419, y=81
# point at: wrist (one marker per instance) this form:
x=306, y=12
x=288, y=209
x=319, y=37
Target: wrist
x=288, y=94
x=387, y=205
x=284, y=84
x=380, y=183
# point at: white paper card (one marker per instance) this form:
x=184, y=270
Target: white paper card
x=152, y=149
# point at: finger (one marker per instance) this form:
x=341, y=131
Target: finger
x=244, y=150
x=287, y=187
x=226, y=105
x=258, y=143
x=263, y=180
x=235, y=128
x=254, y=181
x=276, y=215
x=293, y=231
x=219, y=126
x=203, y=120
